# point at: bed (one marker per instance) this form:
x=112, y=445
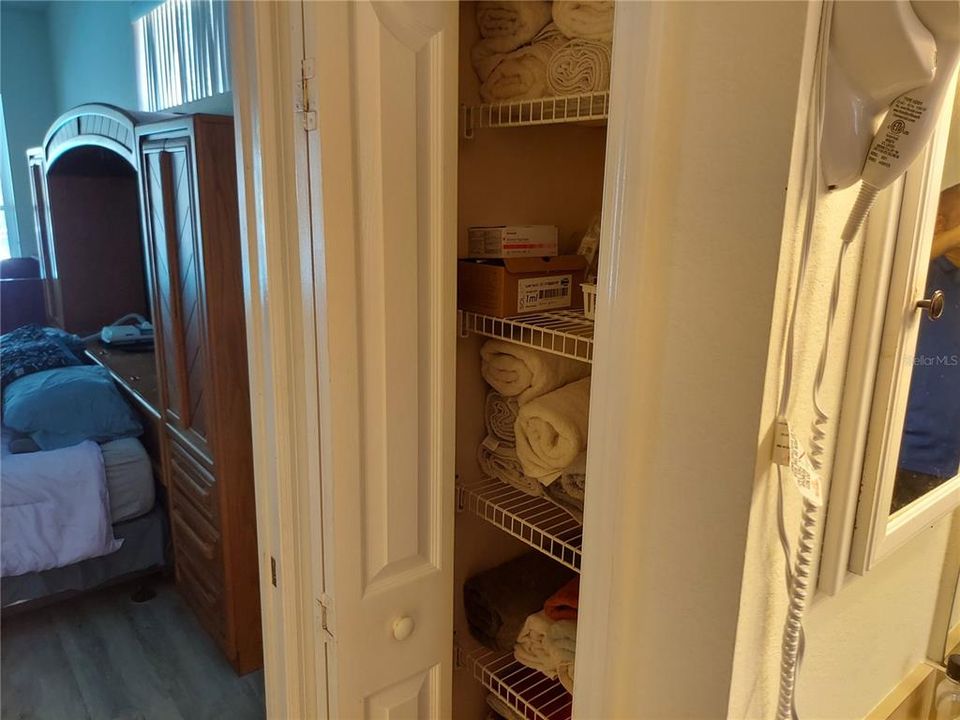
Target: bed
x=136, y=516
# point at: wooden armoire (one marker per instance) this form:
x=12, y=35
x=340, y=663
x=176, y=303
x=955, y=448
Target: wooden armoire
x=138, y=212
x=191, y=229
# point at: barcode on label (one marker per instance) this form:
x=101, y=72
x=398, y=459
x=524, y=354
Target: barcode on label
x=544, y=293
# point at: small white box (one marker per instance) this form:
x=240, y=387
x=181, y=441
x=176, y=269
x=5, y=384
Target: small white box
x=510, y=241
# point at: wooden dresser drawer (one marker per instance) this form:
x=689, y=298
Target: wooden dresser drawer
x=194, y=482
x=196, y=538
x=206, y=600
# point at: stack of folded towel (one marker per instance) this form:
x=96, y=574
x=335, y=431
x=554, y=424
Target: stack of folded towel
x=522, y=55
x=536, y=418
x=519, y=376
x=548, y=639
x=498, y=601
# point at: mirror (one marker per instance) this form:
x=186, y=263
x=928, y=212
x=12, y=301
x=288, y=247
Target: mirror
x=930, y=445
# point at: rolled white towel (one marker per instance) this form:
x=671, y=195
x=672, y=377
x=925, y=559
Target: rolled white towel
x=588, y=20
x=500, y=461
x=579, y=66
x=521, y=74
x=517, y=371
x=552, y=430
x=532, y=647
x=485, y=55
x=508, y=25
x=500, y=414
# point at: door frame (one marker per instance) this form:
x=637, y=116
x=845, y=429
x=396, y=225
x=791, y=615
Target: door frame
x=271, y=144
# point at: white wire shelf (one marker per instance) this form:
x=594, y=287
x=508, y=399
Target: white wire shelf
x=542, y=111
x=563, y=332
x=531, y=693
x=534, y=520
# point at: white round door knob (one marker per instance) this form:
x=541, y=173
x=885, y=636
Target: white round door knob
x=403, y=628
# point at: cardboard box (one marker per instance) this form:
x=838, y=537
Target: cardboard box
x=520, y=286
x=505, y=241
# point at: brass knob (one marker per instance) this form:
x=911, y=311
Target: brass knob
x=933, y=305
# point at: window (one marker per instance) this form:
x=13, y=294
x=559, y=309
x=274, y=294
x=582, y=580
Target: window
x=9, y=239
x=182, y=53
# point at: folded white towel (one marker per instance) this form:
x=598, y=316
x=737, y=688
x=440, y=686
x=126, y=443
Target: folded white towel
x=588, y=20
x=501, y=415
x=517, y=371
x=552, y=430
x=579, y=66
x=562, y=644
x=532, y=647
x=565, y=676
x=562, y=640
x=508, y=25
x=521, y=74
x=498, y=460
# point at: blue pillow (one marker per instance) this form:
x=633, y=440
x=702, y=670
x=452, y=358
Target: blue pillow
x=68, y=405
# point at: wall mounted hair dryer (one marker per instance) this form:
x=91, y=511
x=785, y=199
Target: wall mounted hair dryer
x=893, y=56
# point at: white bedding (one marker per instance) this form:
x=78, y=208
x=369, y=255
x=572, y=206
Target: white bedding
x=130, y=483
x=55, y=509
x=129, y=479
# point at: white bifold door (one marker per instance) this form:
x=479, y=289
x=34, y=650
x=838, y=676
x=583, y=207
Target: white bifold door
x=382, y=80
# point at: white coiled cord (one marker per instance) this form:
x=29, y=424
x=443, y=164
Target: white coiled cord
x=798, y=577
x=791, y=652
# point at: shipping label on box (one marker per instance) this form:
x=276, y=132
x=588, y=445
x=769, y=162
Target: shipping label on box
x=544, y=293
x=505, y=241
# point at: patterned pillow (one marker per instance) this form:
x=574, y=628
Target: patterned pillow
x=32, y=348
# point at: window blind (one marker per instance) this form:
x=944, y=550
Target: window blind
x=184, y=53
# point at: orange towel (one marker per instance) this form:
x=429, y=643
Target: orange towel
x=562, y=605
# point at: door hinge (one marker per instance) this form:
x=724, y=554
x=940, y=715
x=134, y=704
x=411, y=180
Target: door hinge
x=324, y=610
x=309, y=116
x=273, y=570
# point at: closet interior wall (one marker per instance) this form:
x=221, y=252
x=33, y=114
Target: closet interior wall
x=550, y=175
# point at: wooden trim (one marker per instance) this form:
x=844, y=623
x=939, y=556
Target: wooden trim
x=176, y=292
x=911, y=699
x=266, y=50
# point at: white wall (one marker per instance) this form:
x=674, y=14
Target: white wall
x=861, y=643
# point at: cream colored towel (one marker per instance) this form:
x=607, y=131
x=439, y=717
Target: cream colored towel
x=552, y=430
x=498, y=460
x=588, y=20
x=501, y=415
x=578, y=67
x=532, y=647
x=485, y=56
x=562, y=644
x=508, y=25
x=565, y=676
x=517, y=371
x=521, y=74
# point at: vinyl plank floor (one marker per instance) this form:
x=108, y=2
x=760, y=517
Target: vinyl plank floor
x=103, y=657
